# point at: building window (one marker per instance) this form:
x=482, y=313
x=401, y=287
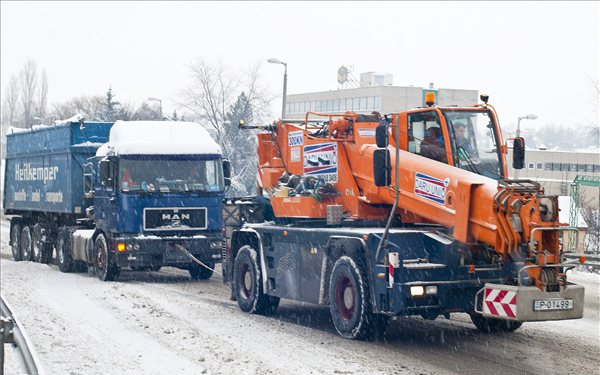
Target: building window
x=348, y=104
x=540, y=166
x=581, y=167
x=564, y=166
x=355, y=104
x=336, y=105
x=573, y=167
x=596, y=168
x=377, y=105
x=549, y=166
x=530, y=165
x=589, y=167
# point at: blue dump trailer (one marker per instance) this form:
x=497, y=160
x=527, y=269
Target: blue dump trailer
x=137, y=195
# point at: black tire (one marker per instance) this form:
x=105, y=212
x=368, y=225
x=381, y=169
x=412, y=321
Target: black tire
x=247, y=284
x=42, y=252
x=15, y=241
x=63, y=251
x=26, y=243
x=200, y=272
x=106, y=270
x=349, y=301
x=491, y=325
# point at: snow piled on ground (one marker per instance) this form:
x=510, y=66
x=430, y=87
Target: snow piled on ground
x=165, y=323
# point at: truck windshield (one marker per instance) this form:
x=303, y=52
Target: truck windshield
x=157, y=175
x=475, y=146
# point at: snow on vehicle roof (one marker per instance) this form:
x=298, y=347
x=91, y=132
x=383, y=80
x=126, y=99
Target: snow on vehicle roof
x=158, y=138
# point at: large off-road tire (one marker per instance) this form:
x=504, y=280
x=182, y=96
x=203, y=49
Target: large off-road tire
x=106, y=269
x=26, y=243
x=491, y=325
x=42, y=252
x=349, y=300
x=247, y=284
x=15, y=241
x=198, y=272
x=63, y=251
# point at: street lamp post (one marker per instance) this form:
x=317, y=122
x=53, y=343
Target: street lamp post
x=160, y=113
x=277, y=61
x=530, y=116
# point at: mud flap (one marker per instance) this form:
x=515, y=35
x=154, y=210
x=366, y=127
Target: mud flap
x=528, y=303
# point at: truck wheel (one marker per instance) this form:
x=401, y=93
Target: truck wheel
x=15, y=241
x=349, y=301
x=491, y=325
x=106, y=270
x=63, y=251
x=26, y=243
x=247, y=284
x=41, y=252
x=200, y=272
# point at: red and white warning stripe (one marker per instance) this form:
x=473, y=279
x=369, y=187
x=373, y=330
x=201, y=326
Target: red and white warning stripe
x=500, y=302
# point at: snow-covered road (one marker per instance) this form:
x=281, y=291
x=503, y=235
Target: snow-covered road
x=165, y=323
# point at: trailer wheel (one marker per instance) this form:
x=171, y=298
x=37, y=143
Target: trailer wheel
x=200, y=272
x=491, y=325
x=41, y=252
x=247, y=284
x=349, y=301
x=26, y=243
x=63, y=251
x=15, y=241
x=106, y=270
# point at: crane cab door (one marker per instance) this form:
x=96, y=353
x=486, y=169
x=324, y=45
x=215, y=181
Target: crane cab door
x=426, y=136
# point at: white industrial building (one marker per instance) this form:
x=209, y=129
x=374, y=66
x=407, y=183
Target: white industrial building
x=375, y=93
x=556, y=170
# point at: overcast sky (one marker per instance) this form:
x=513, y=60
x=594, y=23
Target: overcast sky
x=537, y=57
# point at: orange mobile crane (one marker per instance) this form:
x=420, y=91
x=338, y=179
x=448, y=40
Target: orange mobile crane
x=402, y=215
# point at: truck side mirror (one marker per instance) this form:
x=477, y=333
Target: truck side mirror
x=227, y=172
x=106, y=175
x=382, y=168
x=518, y=153
x=381, y=134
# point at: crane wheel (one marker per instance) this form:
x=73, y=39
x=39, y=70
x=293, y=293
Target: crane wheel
x=247, y=284
x=349, y=300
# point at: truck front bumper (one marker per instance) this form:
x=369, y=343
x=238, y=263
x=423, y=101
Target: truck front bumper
x=166, y=251
x=528, y=303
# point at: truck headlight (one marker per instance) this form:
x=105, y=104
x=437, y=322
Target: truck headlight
x=417, y=291
x=216, y=245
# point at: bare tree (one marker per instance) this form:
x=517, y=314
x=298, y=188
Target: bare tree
x=10, y=107
x=92, y=108
x=28, y=81
x=210, y=95
x=42, y=97
x=220, y=98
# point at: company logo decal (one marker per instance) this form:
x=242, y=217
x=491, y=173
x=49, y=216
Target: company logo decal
x=366, y=133
x=321, y=161
x=431, y=188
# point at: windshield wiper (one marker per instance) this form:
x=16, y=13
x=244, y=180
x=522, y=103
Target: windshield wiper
x=465, y=154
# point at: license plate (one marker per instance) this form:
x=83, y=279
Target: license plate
x=552, y=304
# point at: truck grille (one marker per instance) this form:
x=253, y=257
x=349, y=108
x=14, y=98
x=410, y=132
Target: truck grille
x=174, y=219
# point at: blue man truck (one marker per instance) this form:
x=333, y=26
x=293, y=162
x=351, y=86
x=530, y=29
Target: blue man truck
x=133, y=194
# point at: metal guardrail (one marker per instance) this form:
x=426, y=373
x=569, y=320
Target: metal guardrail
x=12, y=333
x=591, y=261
